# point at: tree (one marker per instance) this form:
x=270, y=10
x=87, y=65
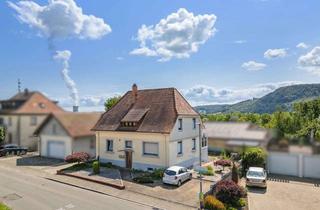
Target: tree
x=111, y=101
x=253, y=157
x=2, y=134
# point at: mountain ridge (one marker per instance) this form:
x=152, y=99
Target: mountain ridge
x=283, y=98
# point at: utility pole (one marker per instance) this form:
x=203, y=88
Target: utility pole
x=200, y=160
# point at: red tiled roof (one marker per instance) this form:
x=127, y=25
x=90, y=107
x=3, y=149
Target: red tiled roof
x=76, y=124
x=29, y=103
x=163, y=107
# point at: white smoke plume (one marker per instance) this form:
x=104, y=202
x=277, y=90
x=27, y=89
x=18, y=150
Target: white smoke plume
x=64, y=57
x=60, y=19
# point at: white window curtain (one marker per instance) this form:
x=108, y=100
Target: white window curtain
x=150, y=148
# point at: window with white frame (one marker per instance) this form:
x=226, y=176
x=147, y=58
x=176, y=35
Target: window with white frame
x=204, y=141
x=150, y=148
x=33, y=120
x=109, y=145
x=194, y=144
x=180, y=124
x=194, y=123
x=179, y=147
x=128, y=144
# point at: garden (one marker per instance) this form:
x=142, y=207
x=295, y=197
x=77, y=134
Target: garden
x=228, y=194
x=92, y=170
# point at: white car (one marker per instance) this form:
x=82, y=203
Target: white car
x=176, y=175
x=256, y=177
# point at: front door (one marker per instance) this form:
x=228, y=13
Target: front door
x=128, y=158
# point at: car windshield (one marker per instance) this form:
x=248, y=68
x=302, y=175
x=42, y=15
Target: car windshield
x=255, y=173
x=170, y=172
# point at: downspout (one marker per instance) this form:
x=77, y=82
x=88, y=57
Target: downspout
x=98, y=145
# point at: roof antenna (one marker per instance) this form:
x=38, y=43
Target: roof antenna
x=19, y=86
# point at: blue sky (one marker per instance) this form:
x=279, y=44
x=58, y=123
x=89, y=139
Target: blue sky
x=214, y=73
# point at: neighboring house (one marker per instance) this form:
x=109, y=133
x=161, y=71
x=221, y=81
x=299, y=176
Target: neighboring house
x=62, y=134
x=234, y=136
x=148, y=129
x=21, y=115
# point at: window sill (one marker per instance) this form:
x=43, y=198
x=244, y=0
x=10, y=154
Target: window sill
x=194, y=150
x=150, y=156
x=180, y=155
x=110, y=152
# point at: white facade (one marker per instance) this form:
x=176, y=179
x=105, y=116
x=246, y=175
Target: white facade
x=166, y=144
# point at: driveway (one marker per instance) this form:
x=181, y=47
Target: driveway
x=286, y=193
x=187, y=194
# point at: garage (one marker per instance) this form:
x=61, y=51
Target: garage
x=56, y=149
x=283, y=163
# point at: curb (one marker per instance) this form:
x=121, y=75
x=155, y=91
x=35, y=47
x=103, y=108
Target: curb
x=120, y=187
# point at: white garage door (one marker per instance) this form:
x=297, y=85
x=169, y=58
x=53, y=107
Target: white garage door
x=311, y=166
x=287, y=164
x=56, y=149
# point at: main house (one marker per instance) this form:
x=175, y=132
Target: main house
x=62, y=134
x=148, y=129
x=22, y=113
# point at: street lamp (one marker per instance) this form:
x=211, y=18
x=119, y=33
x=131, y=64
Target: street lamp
x=200, y=159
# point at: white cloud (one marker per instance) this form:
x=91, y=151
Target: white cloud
x=311, y=61
x=86, y=103
x=177, y=36
x=275, y=53
x=253, y=66
x=201, y=94
x=60, y=19
x=240, y=41
x=302, y=45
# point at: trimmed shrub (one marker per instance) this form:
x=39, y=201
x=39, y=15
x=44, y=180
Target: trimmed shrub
x=96, y=167
x=231, y=208
x=242, y=202
x=229, y=192
x=283, y=143
x=210, y=168
x=207, y=173
x=253, y=157
x=143, y=179
x=77, y=157
x=223, y=162
x=212, y=203
x=235, y=174
x=157, y=173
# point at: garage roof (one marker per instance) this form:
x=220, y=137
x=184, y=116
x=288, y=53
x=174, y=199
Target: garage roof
x=76, y=124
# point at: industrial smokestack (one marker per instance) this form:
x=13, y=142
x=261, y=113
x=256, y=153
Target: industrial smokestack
x=75, y=108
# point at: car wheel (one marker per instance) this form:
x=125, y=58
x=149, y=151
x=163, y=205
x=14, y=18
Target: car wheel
x=7, y=153
x=190, y=177
x=18, y=153
x=179, y=183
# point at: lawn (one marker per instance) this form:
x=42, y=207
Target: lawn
x=4, y=207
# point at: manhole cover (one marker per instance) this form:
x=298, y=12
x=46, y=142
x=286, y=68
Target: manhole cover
x=11, y=197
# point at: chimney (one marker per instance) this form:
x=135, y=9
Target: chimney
x=75, y=108
x=134, y=92
x=26, y=91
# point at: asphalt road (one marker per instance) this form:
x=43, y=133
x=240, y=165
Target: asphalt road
x=26, y=192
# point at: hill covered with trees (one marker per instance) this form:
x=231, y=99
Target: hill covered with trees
x=281, y=99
